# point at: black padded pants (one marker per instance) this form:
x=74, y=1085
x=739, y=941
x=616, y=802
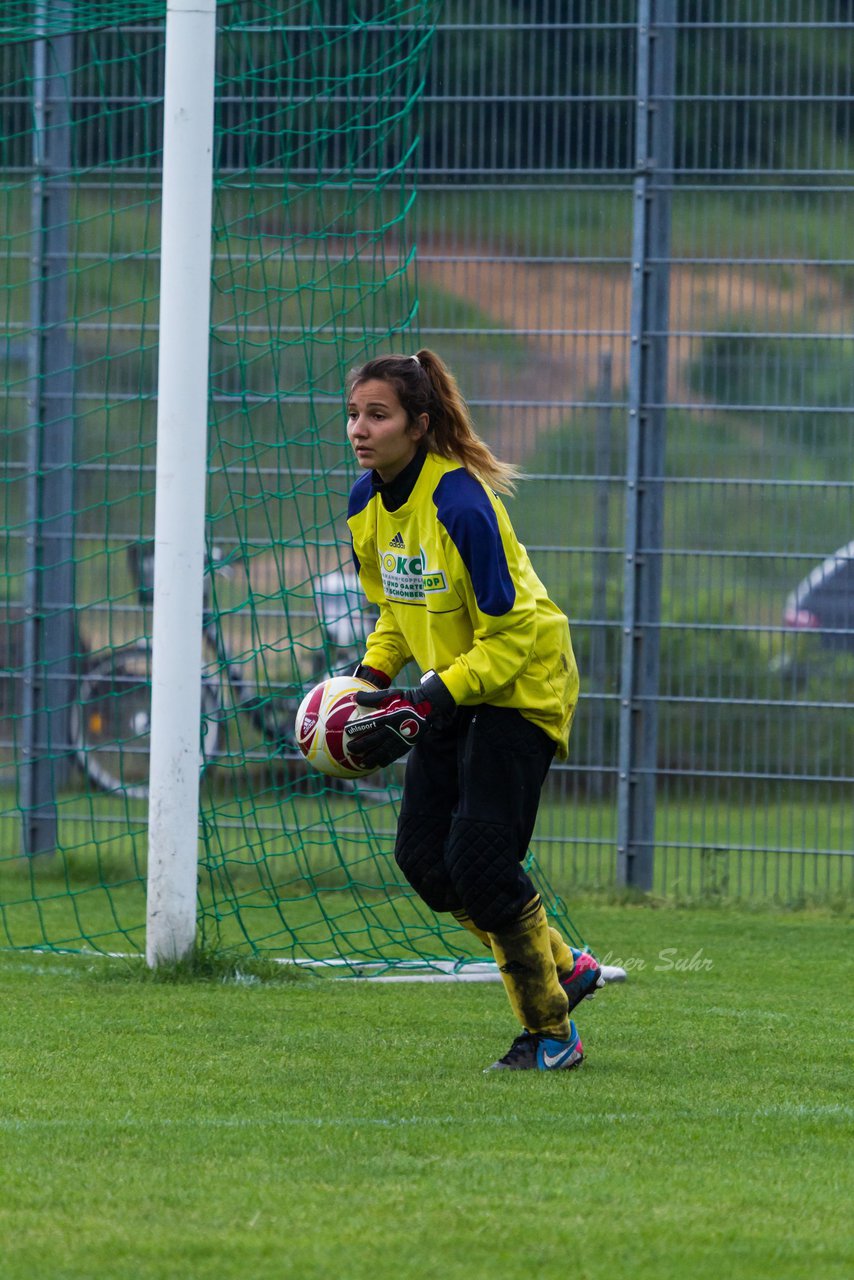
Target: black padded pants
x=470, y=802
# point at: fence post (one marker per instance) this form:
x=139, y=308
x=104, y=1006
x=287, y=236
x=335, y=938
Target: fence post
x=49, y=637
x=645, y=443
x=597, y=680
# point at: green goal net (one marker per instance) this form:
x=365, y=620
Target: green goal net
x=313, y=270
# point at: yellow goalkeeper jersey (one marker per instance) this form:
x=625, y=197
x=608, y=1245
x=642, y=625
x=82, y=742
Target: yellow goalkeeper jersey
x=457, y=594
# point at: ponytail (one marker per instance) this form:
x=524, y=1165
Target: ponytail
x=452, y=433
x=424, y=384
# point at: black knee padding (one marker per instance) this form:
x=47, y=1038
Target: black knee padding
x=420, y=854
x=483, y=865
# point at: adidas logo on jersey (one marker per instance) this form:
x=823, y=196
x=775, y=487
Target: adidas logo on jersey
x=397, y=541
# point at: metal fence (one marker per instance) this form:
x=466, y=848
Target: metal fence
x=634, y=221
x=633, y=234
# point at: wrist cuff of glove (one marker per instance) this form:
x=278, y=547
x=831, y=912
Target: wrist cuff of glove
x=438, y=695
x=378, y=679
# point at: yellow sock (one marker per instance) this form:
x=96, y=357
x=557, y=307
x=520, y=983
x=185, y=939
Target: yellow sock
x=561, y=951
x=463, y=918
x=562, y=954
x=523, y=953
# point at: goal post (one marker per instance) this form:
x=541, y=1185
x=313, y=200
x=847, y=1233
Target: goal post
x=180, y=478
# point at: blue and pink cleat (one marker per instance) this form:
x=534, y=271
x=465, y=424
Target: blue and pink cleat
x=586, y=976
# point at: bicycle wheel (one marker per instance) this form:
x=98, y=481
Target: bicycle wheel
x=113, y=721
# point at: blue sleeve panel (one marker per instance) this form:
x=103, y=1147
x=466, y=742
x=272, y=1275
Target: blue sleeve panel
x=360, y=494
x=470, y=520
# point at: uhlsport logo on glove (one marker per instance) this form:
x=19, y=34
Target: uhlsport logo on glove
x=396, y=719
x=407, y=728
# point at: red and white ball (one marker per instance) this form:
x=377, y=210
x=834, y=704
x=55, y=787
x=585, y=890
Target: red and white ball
x=320, y=721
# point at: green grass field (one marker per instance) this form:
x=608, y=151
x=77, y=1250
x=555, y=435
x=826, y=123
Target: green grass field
x=314, y=1128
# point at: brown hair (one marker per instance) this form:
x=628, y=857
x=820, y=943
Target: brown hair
x=424, y=384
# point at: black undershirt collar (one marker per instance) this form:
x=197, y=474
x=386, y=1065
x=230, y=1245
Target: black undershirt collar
x=395, y=493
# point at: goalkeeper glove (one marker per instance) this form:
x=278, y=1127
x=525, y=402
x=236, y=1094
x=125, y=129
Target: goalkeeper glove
x=402, y=715
x=378, y=679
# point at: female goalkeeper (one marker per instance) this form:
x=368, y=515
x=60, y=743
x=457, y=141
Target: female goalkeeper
x=435, y=550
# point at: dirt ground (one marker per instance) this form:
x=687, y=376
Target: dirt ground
x=572, y=314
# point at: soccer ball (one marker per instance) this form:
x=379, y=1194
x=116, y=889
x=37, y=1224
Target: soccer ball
x=319, y=726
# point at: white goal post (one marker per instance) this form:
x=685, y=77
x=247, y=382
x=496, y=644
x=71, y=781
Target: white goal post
x=182, y=412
